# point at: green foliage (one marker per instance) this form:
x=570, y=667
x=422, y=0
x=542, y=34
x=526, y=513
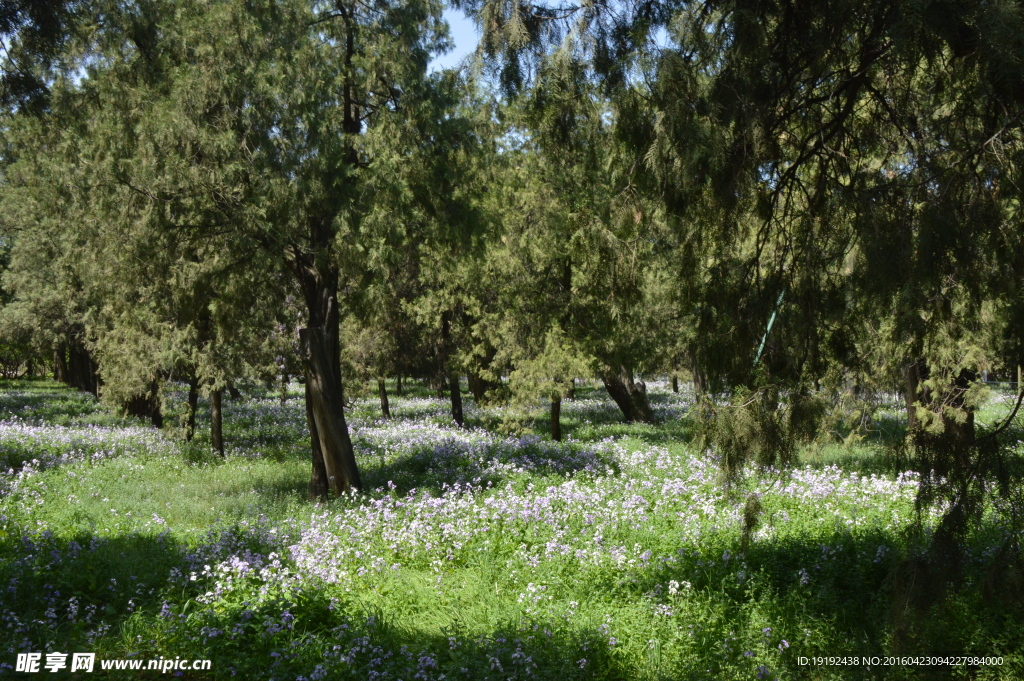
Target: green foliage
x=801, y=206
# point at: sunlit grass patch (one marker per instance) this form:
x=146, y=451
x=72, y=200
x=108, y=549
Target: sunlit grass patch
x=617, y=554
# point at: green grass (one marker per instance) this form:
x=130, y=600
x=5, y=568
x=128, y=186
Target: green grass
x=592, y=559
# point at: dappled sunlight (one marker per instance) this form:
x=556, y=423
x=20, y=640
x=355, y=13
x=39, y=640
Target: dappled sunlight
x=470, y=553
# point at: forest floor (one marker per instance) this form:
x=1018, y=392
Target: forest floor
x=617, y=554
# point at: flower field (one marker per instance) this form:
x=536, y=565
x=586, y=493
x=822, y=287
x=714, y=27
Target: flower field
x=617, y=554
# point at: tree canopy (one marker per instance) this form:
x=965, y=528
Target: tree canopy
x=792, y=203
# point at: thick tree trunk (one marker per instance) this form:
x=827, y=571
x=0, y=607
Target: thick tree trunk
x=320, y=350
x=959, y=430
x=147, y=405
x=911, y=380
x=324, y=382
x=81, y=369
x=398, y=385
x=382, y=390
x=700, y=379
x=477, y=386
x=675, y=383
x=480, y=387
x=319, y=488
x=60, y=363
x=556, y=417
x=456, y=393
x=629, y=395
x=216, y=422
x=945, y=404
x=193, y=402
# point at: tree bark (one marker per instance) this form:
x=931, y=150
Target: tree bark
x=950, y=399
x=382, y=389
x=216, y=422
x=476, y=385
x=675, y=384
x=572, y=388
x=320, y=349
x=630, y=396
x=480, y=386
x=284, y=389
x=324, y=384
x=911, y=380
x=193, y=403
x=456, y=393
x=556, y=417
x=147, y=405
x=700, y=379
x=319, y=488
x=959, y=431
x=398, y=385
x=81, y=369
x=60, y=363
x=156, y=414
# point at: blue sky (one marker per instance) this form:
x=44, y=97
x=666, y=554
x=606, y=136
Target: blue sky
x=464, y=35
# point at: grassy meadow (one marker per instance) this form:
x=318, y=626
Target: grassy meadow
x=475, y=555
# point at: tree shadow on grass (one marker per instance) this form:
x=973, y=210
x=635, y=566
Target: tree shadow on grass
x=838, y=596
x=442, y=464
x=456, y=462
x=63, y=592
x=39, y=401
x=131, y=597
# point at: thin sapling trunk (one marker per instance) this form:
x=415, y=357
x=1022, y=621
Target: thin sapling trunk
x=216, y=422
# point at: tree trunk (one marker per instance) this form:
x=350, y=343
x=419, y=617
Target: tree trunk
x=456, y=393
x=700, y=379
x=477, y=386
x=398, y=385
x=320, y=350
x=572, y=388
x=324, y=382
x=147, y=405
x=382, y=389
x=480, y=387
x=193, y=402
x=629, y=395
x=556, y=417
x=675, y=383
x=60, y=363
x=911, y=380
x=81, y=369
x=944, y=403
x=284, y=389
x=156, y=414
x=216, y=422
x=959, y=431
x=319, y=488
